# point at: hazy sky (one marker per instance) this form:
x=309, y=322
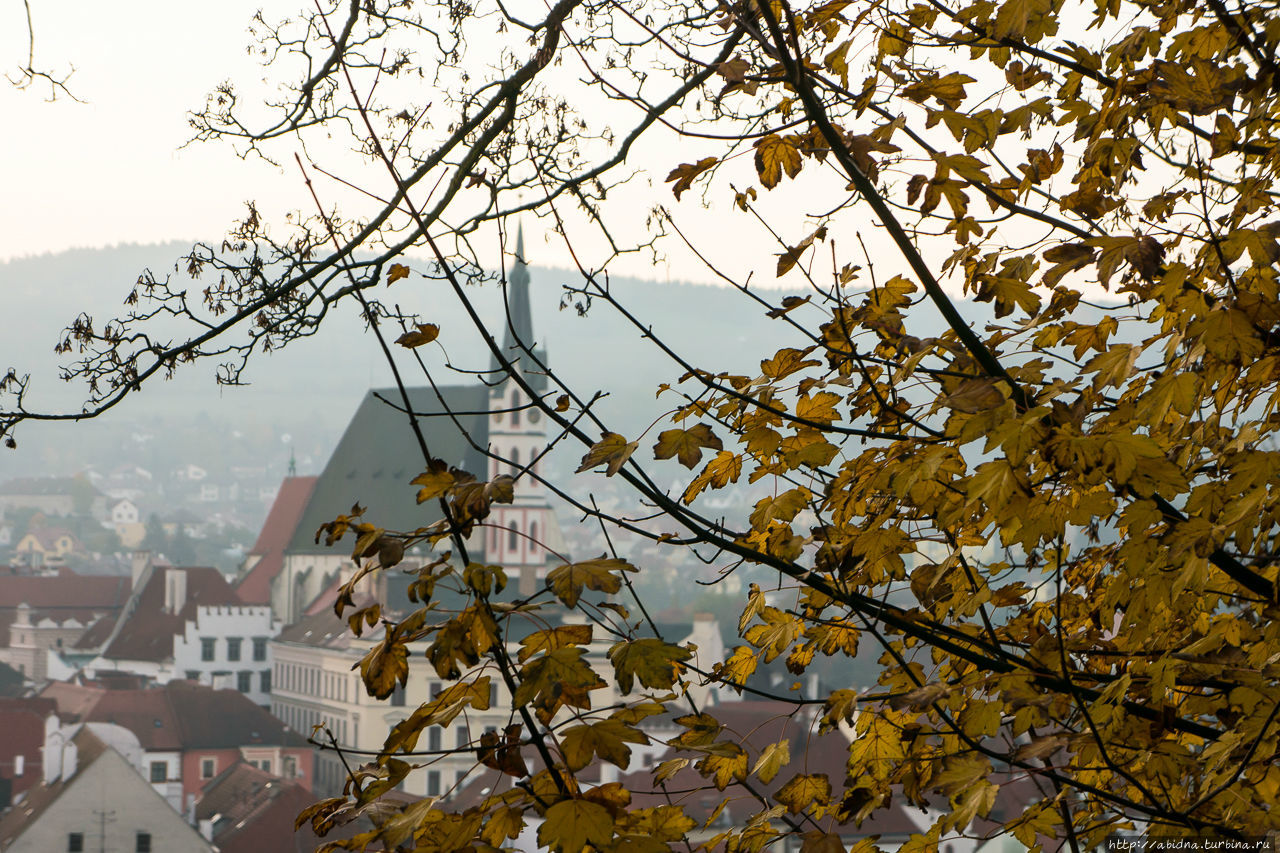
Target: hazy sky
x=112, y=169
x=109, y=170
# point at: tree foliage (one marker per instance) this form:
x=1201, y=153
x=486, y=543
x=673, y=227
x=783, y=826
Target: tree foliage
x=1052, y=507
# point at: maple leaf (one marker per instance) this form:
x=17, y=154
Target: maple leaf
x=650, y=661
x=685, y=175
x=397, y=272
x=571, y=825
x=612, y=451
x=803, y=791
x=385, y=665
x=607, y=739
x=568, y=581
x=774, y=757
x=686, y=444
x=776, y=156
x=423, y=333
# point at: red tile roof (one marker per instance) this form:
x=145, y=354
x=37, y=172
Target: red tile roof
x=84, y=596
x=179, y=716
x=277, y=530
x=255, y=811
x=147, y=634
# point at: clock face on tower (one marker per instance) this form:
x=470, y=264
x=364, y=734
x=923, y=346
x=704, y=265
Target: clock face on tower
x=535, y=416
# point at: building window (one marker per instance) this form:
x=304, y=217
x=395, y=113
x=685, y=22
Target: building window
x=159, y=771
x=208, y=647
x=290, y=767
x=264, y=681
x=207, y=767
x=144, y=843
x=192, y=675
x=259, y=648
x=397, y=696
x=75, y=842
x=233, y=648
x=493, y=695
x=437, y=687
x=433, y=783
x=244, y=681
x=433, y=738
x=461, y=737
x=513, y=537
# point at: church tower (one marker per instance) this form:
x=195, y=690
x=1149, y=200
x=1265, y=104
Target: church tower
x=517, y=434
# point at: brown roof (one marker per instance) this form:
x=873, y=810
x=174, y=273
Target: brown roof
x=277, y=530
x=67, y=594
x=99, y=632
x=180, y=715
x=147, y=634
x=39, y=798
x=255, y=811
x=322, y=628
x=755, y=725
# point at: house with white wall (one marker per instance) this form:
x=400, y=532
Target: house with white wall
x=188, y=623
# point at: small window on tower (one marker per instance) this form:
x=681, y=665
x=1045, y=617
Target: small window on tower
x=515, y=409
x=515, y=457
x=513, y=537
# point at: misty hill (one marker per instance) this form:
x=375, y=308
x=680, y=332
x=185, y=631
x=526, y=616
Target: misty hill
x=309, y=389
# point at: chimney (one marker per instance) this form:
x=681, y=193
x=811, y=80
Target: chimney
x=175, y=590
x=139, y=561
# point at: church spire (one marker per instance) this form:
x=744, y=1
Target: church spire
x=520, y=324
x=518, y=319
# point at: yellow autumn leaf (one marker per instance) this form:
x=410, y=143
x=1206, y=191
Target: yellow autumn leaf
x=571, y=825
x=804, y=790
x=422, y=333
x=774, y=757
x=569, y=580
x=686, y=444
x=776, y=156
x=612, y=451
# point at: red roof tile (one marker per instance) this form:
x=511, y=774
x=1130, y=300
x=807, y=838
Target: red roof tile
x=180, y=715
x=84, y=596
x=277, y=530
x=255, y=811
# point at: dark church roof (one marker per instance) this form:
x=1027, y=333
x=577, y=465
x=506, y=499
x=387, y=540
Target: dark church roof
x=378, y=455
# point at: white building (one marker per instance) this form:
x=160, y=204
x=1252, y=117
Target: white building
x=189, y=623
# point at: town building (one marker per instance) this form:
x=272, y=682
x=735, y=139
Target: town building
x=91, y=798
x=245, y=809
x=188, y=623
x=189, y=733
x=317, y=683
x=54, y=496
x=25, y=723
x=378, y=456
x=48, y=614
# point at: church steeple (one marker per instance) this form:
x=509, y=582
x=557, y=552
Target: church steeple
x=518, y=320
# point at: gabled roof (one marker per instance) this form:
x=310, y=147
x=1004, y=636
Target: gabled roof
x=15, y=821
x=181, y=715
x=148, y=632
x=253, y=811
x=378, y=455
x=277, y=530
